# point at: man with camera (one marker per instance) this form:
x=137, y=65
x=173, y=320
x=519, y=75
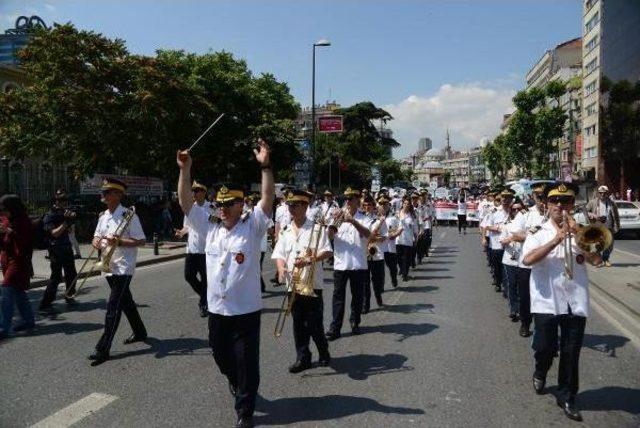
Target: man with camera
x=58, y=223
x=603, y=210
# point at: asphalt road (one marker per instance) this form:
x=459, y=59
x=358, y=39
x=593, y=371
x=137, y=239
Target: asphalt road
x=441, y=353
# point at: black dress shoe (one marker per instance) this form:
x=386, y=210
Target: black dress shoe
x=524, y=331
x=203, y=312
x=98, y=357
x=570, y=410
x=394, y=284
x=244, y=422
x=355, y=329
x=300, y=366
x=538, y=385
x=324, y=360
x=133, y=339
x=332, y=335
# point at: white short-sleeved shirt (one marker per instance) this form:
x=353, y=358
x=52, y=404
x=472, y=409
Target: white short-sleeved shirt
x=532, y=220
x=393, y=224
x=396, y=204
x=551, y=291
x=282, y=217
x=233, y=263
x=289, y=246
x=427, y=215
x=409, y=230
x=497, y=218
x=123, y=261
x=328, y=211
x=196, y=241
x=382, y=247
x=349, y=247
x=512, y=251
x=462, y=208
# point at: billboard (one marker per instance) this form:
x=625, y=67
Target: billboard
x=330, y=124
x=136, y=186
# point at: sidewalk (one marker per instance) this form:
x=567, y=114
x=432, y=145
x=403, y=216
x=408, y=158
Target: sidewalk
x=167, y=251
x=616, y=290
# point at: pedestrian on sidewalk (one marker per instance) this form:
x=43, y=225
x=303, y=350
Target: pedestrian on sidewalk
x=603, y=210
x=233, y=286
x=195, y=266
x=58, y=223
x=559, y=300
x=122, y=266
x=16, y=248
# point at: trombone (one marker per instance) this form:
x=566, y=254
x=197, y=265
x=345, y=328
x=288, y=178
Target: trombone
x=301, y=280
x=103, y=264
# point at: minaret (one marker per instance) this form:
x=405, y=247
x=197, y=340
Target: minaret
x=447, y=149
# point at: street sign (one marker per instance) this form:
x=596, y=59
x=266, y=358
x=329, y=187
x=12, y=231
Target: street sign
x=330, y=124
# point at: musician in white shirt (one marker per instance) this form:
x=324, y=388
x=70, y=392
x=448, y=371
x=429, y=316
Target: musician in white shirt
x=122, y=267
x=559, y=298
x=195, y=265
x=301, y=245
x=375, y=254
x=494, y=226
x=393, y=230
x=350, y=263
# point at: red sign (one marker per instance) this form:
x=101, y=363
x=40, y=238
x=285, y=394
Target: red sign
x=579, y=145
x=329, y=124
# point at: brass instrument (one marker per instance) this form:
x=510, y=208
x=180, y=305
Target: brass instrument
x=567, y=247
x=590, y=238
x=301, y=279
x=104, y=264
x=372, y=248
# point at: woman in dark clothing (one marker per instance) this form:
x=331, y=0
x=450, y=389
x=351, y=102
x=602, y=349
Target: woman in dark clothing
x=15, y=257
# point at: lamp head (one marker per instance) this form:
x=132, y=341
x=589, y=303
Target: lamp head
x=322, y=42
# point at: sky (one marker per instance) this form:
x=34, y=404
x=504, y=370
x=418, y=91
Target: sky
x=433, y=65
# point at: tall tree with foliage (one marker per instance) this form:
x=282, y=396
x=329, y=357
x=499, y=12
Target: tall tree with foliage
x=96, y=107
x=359, y=147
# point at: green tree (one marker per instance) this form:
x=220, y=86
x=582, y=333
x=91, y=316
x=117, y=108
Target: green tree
x=95, y=106
x=359, y=148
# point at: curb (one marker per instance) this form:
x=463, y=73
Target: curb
x=616, y=312
x=147, y=262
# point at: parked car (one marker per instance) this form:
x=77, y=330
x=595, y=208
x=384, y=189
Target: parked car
x=629, y=216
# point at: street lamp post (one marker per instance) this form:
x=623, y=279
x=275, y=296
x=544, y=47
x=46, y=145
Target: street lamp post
x=321, y=42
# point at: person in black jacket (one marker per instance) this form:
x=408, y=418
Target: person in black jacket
x=58, y=223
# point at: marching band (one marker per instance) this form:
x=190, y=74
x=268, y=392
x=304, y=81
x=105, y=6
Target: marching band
x=537, y=257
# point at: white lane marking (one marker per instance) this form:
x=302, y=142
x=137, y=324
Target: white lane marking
x=77, y=411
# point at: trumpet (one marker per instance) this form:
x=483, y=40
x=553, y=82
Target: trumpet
x=372, y=248
x=592, y=238
x=103, y=265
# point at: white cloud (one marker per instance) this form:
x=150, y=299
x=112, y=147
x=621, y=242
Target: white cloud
x=471, y=111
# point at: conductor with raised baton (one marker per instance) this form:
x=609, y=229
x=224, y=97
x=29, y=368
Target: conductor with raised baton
x=233, y=278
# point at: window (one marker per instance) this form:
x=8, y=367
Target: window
x=590, y=130
x=592, y=44
x=591, y=66
x=589, y=4
x=590, y=88
x=592, y=22
x=591, y=109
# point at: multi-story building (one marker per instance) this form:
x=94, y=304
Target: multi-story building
x=425, y=144
x=458, y=168
x=611, y=49
x=565, y=55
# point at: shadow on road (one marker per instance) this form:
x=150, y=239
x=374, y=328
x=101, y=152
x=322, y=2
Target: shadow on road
x=611, y=398
x=421, y=277
x=168, y=347
x=361, y=366
x=418, y=289
x=431, y=270
x=626, y=264
x=403, y=330
x=287, y=411
x=605, y=343
x=410, y=309
x=66, y=328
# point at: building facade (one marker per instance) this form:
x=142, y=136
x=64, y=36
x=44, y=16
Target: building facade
x=611, y=49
